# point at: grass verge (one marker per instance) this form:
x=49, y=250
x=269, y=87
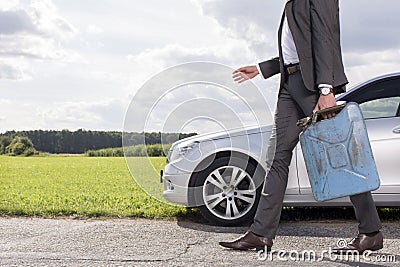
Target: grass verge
x=76, y=186
x=103, y=187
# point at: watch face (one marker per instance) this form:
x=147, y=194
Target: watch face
x=325, y=91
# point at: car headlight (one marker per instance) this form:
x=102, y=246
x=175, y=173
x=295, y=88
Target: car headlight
x=181, y=150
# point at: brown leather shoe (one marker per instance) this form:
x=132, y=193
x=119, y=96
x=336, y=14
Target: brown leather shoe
x=362, y=243
x=249, y=241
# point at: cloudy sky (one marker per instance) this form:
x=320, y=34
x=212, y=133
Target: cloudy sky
x=78, y=64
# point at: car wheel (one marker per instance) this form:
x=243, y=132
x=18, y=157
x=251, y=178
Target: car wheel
x=230, y=189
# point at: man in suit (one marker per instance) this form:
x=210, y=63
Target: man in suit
x=312, y=72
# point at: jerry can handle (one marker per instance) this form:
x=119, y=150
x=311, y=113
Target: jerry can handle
x=314, y=118
x=316, y=115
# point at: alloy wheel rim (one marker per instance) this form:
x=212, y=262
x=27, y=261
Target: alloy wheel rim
x=229, y=192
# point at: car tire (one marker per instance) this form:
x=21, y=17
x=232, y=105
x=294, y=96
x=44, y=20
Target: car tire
x=229, y=190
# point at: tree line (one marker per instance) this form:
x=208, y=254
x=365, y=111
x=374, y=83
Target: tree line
x=155, y=150
x=80, y=141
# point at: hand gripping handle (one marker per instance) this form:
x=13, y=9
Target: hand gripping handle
x=315, y=117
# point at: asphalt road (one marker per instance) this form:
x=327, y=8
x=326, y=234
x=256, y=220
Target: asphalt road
x=140, y=242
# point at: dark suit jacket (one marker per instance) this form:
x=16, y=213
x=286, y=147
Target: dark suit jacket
x=316, y=32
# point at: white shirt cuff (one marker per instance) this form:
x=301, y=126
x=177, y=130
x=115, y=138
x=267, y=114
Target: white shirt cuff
x=323, y=85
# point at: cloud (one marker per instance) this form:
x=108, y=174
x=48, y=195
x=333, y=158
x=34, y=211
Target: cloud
x=253, y=21
x=160, y=58
x=363, y=66
x=15, y=21
x=96, y=115
x=152, y=61
x=369, y=31
x=202, y=90
x=370, y=26
x=31, y=30
x=92, y=115
x=122, y=44
x=12, y=70
x=94, y=29
x=366, y=26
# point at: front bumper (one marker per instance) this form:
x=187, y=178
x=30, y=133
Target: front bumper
x=175, y=187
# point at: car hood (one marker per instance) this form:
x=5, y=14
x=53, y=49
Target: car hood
x=223, y=134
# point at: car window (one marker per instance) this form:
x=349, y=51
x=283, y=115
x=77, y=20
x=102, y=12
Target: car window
x=380, y=108
x=379, y=99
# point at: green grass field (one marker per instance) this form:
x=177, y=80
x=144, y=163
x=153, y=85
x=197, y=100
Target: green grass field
x=77, y=186
x=59, y=186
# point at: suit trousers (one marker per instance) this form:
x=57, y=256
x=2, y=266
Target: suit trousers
x=295, y=102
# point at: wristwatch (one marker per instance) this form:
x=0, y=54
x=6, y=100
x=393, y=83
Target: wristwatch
x=325, y=91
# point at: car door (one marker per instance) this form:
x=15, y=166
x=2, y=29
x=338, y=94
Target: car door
x=380, y=104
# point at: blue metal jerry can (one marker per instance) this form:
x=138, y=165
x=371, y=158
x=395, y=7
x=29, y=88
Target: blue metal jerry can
x=338, y=155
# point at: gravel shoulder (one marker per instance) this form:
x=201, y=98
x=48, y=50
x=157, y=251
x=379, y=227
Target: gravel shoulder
x=141, y=242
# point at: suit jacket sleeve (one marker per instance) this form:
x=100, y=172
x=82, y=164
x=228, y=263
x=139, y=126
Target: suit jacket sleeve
x=324, y=15
x=270, y=67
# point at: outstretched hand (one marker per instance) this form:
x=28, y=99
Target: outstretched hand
x=245, y=73
x=326, y=102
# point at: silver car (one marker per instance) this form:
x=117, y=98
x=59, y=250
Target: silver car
x=222, y=173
